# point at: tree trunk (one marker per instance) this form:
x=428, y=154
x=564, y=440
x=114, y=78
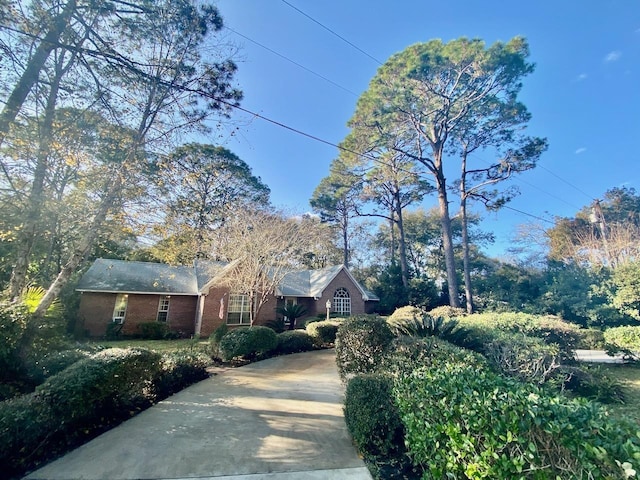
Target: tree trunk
x=83, y=247
x=447, y=237
x=404, y=268
x=30, y=75
x=345, y=240
x=466, y=262
x=27, y=235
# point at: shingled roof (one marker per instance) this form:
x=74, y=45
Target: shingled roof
x=119, y=276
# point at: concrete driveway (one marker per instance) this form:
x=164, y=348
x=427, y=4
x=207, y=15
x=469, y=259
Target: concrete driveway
x=277, y=419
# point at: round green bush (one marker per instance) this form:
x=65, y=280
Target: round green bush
x=626, y=338
x=445, y=311
x=294, y=341
x=55, y=362
x=361, y=343
x=323, y=332
x=180, y=369
x=371, y=416
x=248, y=342
x=406, y=313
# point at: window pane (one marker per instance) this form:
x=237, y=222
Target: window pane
x=163, y=309
x=120, y=308
x=238, y=311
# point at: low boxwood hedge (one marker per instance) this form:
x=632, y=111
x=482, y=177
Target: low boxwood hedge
x=294, y=341
x=248, y=342
x=324, y=332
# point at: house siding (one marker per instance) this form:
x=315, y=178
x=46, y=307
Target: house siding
x=96, y=310
x=342, y=280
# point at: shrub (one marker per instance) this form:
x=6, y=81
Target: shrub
x=549, y=329
x=406, y=313
x=293, y=341
x=323, y=332
x=372, y=417
x=114, y=331
x=81, y=400
x=446, y=311
x=428, y=326
x=462, y=422
x=179, y=370
x=155, y=331
x=53, y=363
x=276, y=325
x=361, y=343
x=590, y=381
x=248, y=342
x=591, y=339
x=526, y=358
x=625, y=338
x=410, y=353
x=216, y=337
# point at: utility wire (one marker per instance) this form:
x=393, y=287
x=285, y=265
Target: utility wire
x=568, y=183
x=292, y=61
x=529, y=214
x=332, y=32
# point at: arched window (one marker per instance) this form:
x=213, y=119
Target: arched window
x=342, y=302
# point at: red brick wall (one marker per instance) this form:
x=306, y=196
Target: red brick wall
x=343, y=280
x=96, y=310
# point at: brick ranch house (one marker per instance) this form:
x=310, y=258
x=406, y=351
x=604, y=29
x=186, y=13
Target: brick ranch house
x=194, y=300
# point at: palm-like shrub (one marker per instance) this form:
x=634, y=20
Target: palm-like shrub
x=292, y=312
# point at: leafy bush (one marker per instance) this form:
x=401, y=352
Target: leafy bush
x=114, y=331
x=293, y=341
x=371, y=416
x=526, y=358
x=179, y=370
x=248, y=342
x=482, y=425
x=13, y=324
x=276, y=325
x=361, y=343
x=549, y=329
x=216, y=337
x=155, y=331
x=101, y=390
x=446, y=311
x=410, y=353
x=428, y=326
x=406, y=313
x=591, y=339
x=625, y=338
x=53, y=363
x=590, y=381
x=324, y=332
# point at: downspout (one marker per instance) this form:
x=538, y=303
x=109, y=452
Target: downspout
x=199, y=312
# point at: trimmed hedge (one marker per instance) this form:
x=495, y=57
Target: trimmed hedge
x=462, y=422
x=294, y=341
x=87, y=398
x=155, y=331
x=371, y=416
x=361, y=343
x=445, y=311
x=625, y=338
x=55, y=362
x=324, y=332
x=406, y=313
x=248, y=342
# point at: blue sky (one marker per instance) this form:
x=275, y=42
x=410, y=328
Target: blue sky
x=584, y=94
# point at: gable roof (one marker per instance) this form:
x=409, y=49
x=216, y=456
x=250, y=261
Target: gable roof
x=120, y=276
x=116, y=276
x=312, y=283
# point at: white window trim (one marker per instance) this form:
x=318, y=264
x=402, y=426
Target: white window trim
x=165, y=310
x=245, y=313
x=119, y=314
x=341, y=301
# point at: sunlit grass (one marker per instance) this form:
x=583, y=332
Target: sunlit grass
x=156, y=345
x=629, y=377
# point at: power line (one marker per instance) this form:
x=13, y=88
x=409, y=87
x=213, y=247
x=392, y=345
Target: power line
x=292, y=61
x=332, y=32
x=568, y=183
x=528, y=214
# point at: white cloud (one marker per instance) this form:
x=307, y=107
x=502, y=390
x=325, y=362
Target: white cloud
x=613, y=56
x=582, y=76
x=581, y=150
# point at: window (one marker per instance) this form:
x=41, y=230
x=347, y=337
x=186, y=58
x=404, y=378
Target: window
x=120, y=308
x=238, y=311
x=342, y=302
x=163, y=309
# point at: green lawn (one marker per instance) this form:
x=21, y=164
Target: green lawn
x=157, y=345
x=629, y=376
